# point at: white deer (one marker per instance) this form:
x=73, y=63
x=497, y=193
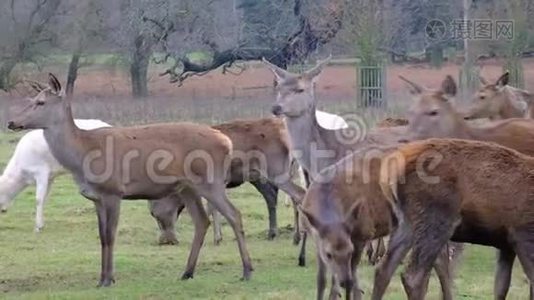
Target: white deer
x=33, y=163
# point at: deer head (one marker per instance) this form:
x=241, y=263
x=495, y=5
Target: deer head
x=295, y=91
x=335, y=241
x=44, y=109
x=432, y=113
x=489, y=100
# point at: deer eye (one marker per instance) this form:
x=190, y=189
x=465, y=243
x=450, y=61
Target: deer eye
x=433, y=113
x=482, y=97
x=329, y=255
x=39, y=103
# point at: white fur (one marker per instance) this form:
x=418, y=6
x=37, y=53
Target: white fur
x=33, y=163
x=327, y=121
x=330, y=121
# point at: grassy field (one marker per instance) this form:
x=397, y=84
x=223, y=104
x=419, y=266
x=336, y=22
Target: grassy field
x=62, y=262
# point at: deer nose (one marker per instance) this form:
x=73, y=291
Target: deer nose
x=11, y=125
x=276, y=110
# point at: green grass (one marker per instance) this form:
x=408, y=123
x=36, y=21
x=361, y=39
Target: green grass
x=62, y=262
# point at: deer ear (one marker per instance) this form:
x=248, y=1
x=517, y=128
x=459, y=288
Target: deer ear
x=53, y=83
x=503, y=80
x=415, y=89
x=314, y=222
x=280, y=73
x=353, y=214
x=448, y=87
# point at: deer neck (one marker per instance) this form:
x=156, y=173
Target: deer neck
x=64, y=141
x=462, y=129
x=511, y=109
x=314, y=146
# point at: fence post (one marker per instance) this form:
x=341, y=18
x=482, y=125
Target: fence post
x=371, y=87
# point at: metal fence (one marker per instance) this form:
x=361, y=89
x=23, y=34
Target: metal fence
x=371, y=86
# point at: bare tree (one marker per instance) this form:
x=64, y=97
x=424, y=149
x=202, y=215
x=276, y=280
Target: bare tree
x=85, y=31
x=27, y=33
x=286, y=32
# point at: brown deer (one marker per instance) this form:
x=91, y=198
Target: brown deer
x=346, y=209
x=470, y=192
x=498, y=101
x=316, y=147
x=261, y=156
x=433, y=115
x=145, y=162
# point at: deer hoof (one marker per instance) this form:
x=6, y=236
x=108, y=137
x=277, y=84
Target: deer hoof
x=106, y=282
x=167, y=241
x=187, y=275
x=272, y=234
x=302, y=261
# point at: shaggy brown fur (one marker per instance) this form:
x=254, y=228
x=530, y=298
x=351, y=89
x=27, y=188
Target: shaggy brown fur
x=473, y=202
x=261, y=156
x=347, y=210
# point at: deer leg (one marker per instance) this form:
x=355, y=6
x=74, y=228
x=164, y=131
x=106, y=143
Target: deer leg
x=503, y=274
x=399, y=244
x=524, y=249
x=298, y=231
x=270, y=193
x=201, y=222
x=432, y=232
x=302, y=253
x=217, y=224
x=355, y=261
x=108, y=209
x=321, y=276
x=380, y=249
x=216, y=195
x=166, y=212
x=442, y=266
x=370, y=251
x=42, y=190
x=335, y=291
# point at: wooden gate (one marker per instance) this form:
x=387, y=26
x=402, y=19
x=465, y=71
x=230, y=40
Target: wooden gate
x=371, y=90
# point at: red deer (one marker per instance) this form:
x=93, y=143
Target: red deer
x=145, y=162
x=500, y=101
x=261, y=156
x=432, y=115
x=470, y=192
x=345, y=210
x=317, y=147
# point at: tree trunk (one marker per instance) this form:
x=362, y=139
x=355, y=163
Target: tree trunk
x=73, y=72
x=139, y=67
x=5, y=71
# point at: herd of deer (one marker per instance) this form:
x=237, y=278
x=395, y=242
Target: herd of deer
x=429, y=182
